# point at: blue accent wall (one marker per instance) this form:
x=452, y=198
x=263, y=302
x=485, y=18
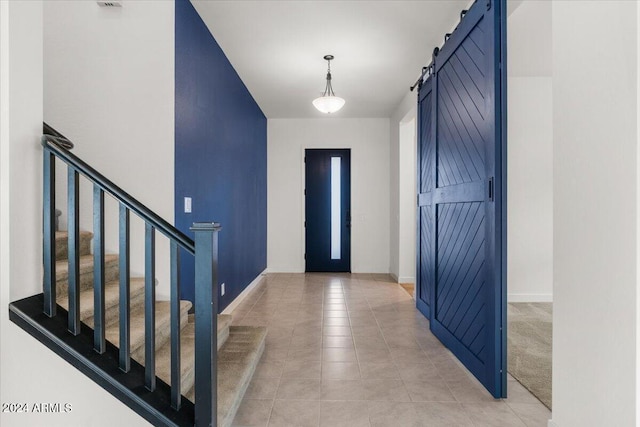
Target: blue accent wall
x=220, y=156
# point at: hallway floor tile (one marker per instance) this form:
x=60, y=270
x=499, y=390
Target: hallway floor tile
x=352, y=350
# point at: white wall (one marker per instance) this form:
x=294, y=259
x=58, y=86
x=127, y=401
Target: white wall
x=638, y=224
x=529, y=38
x=109, y=87
x=402, y=182
x=368, y=140
x=30, y=373
x=530, y=189
x=595, y=213
x=529, y=154
x=394, y=195
x=407, y=225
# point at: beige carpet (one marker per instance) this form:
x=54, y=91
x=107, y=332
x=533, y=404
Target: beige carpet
x=529, y=347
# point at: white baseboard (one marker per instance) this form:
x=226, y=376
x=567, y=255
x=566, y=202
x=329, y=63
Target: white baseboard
x=551, y=423
x=282, y=270
x=236, y=302
x=529, y=297
x=402, y=279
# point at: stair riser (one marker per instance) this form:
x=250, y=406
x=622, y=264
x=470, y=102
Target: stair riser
x=86, y=278
x=222, y=336
x=187, y=360
x=228, y=421
x=62, y=246
x=237, y=362
x=112, y=314
x=188, y=372
x=163, y=334
x=188, y=378
x=224, y=321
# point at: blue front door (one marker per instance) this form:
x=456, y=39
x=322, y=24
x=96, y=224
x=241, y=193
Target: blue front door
x=462, y=281
x=328, y=210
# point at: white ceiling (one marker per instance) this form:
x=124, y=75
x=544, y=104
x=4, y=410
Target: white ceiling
x=379, y=47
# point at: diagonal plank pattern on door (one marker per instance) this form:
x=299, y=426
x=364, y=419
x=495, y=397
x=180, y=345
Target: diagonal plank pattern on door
x=461, y=275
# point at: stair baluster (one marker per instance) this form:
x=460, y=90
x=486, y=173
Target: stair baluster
x=150, y=307
x=176, y=395
x=152, y=405
x=49, y=232
x=73, y=209
x=124, y=290
x=99, y=325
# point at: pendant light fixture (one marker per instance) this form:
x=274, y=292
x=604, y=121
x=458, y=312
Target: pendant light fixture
x=328, y=103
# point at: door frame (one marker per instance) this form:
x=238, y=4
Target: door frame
x=303, y=208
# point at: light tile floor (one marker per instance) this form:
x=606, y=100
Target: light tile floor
x=352, y=350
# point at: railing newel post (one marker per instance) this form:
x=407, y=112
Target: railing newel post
x=204, y=249
x=206, y=314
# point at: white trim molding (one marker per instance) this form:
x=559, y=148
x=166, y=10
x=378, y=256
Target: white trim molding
x=529, y=297
x=237, y=300
x=402, y=279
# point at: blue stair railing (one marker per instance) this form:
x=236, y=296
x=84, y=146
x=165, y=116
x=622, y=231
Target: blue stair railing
x=112, y=367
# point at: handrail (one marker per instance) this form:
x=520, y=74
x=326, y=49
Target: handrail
x=64, y=141
x=56, y=145
x=204, y=249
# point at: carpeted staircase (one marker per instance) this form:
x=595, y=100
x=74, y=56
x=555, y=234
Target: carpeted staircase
x=239, y=347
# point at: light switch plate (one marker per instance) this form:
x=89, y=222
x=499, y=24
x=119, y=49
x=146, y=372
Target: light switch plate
x=187, y=205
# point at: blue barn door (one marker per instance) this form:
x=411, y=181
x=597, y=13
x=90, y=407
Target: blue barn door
x=426, y=167
x=462, y=202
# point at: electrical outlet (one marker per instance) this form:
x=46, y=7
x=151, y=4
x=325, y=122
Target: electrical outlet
x=222, y=289
x=187, y=205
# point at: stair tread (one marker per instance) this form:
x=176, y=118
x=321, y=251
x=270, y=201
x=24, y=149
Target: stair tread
x=239, y=347
x=224, y=321
x=187, y=353
x=237, y=360
x=61, y=243
x=111, y=294
x=64, y=234
x=163, y=319
x=86, y=264
x=187, y=359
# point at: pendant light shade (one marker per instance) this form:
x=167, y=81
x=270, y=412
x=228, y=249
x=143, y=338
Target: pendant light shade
x=328, y=103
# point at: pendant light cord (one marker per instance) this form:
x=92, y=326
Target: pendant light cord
x=328, y=90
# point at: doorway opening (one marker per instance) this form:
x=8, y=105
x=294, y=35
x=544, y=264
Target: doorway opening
x=407, y=203
x=530, y=199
